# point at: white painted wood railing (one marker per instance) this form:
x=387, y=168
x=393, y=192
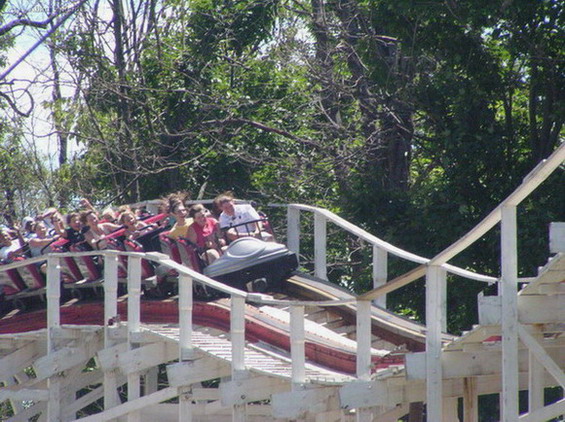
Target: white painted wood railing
x=434, y=269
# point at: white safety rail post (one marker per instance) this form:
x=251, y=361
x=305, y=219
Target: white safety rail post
x=297, y=347
x=435, y=278
x=111, y=320
x=509, y=326
x=363, y=365
x=53, y=326
x=237, y=330
x=535, y=381
x=293, y=230
x=134, y=326
x=185, y=343
x=320, y=242
x=380, y=273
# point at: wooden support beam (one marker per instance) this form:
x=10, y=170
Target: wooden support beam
x=18, y=360
x=471, y=364
x=250, y=390
x=365, y=394
x=23, y=394
x=509, y=293
x=541, y=355
x=295, y=404
x=186, y=373
x=297, y=348
x=545, y=413
x=470, y=400
x=133, y=405
x=435, y=280
x=449, y=410
x=24, y=416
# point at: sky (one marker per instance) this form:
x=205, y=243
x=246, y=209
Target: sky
x=33, y=74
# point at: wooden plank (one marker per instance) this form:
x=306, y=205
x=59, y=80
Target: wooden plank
x=134, y=405
x=469, y=364
x=395, y=283
x=366, y=394
x=250, y=390
x=295, y=404
x=145, y=357
x=18, y=360
x=109, y=358
x=545, y=413
x=198, y=370
x=24, y=416
x=23, y=394
x=435, y=280
x=60, y=360
x=541, y=355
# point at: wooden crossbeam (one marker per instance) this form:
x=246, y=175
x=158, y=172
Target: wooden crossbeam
x=18, y=360
x=541, y=355
x=133, y=405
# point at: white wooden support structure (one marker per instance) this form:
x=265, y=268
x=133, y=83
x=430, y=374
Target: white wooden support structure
x=293, y=230
x=435, y=279
x=134, y=326
x=535, y=384
x=111, y=320
x=186, y=352
x=363, y=364
x=297, y=349
x=509, y=290
x=53, y=326
x=237, y=331
x=470, y=400
x=380, y=273
x=320, y=245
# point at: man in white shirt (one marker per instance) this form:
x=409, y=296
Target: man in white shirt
x=235, y=215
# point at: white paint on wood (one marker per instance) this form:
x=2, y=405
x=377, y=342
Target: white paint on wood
x=509, y=278
x=18, y=360
x=541, y=355
x=535, y=384
x=380, y=273
x=134, y=293
x=237, y=333
x=24, y=394
x=243, y=391
x=293, y=230
x=110, y=292
x=296, y=404
x=320, y=244
x=435, y=278
x=134, y=405
x=363, y=324
x=557, y=237
x=554, y=410
x=364, y=394
x=25, y=415
x=185, y=317
x=198, y=370
x=60, y=360
x=297, y=350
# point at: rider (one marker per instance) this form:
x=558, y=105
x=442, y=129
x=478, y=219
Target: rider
x=237, y=215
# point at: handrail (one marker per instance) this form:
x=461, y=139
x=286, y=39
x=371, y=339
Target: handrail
x=529, y=184
x=375, y=241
